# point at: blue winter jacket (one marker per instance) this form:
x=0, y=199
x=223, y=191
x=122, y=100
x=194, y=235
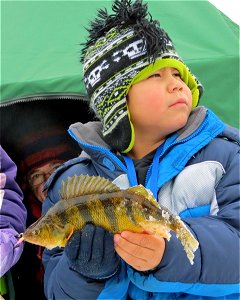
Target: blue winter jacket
x=198, y=180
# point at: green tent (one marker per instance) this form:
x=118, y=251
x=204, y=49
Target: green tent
x=41, y=48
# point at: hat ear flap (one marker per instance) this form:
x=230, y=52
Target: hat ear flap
x=121, y=135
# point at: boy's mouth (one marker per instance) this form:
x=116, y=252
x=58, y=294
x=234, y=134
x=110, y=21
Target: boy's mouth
x=180, y=101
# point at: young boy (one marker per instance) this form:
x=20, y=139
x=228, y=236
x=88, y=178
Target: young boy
x=151, y=132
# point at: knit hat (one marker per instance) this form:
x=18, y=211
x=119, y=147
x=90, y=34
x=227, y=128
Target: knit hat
x=43, y=146
x=123, y=49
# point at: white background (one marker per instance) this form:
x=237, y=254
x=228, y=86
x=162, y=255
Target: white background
x=230, y=8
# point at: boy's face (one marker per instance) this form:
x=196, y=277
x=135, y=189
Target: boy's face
x=160, y=104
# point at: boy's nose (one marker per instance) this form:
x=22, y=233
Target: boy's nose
x=174, y=85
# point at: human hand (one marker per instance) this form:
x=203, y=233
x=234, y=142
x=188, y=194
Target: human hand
x=91, y=253
x=142, y=251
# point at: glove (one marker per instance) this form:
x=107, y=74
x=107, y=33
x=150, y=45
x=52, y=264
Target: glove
x=91, y=253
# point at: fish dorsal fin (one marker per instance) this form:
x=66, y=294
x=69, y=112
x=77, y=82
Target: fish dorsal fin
x=76, y=186
x=142, y=191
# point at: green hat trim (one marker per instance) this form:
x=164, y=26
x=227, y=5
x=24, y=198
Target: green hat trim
x=186, y=75
x=131, y=144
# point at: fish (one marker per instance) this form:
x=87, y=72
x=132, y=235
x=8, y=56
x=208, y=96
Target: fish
x=94, y=199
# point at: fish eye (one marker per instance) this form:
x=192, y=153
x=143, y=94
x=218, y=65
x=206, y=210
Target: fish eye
x=36, y=232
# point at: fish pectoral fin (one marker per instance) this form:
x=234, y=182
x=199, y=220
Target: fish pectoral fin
x=68, y=231
x=64, y=233
x=71, y=230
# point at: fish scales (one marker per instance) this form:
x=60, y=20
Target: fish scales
x=96, y=209
x=82, y=210
x=96, y=200
x=109, y=211
x=141, y=210
x=103, y=213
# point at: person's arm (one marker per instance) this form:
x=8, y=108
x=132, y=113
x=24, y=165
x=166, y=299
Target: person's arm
x=12, y=214
x=61, y=282
x=80, y=270
x=216, y=265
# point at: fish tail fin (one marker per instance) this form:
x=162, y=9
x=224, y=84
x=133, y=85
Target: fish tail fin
x=189, y=242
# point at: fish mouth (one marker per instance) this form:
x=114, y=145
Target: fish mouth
x=20, y=239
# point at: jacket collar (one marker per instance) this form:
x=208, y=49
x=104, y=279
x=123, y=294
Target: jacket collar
x=195, y=120
x=89, y=135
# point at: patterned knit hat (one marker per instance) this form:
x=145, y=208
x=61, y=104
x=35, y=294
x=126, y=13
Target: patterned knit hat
x=123, y=49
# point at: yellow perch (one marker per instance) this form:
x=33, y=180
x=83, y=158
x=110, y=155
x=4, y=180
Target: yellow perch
x=94, y=199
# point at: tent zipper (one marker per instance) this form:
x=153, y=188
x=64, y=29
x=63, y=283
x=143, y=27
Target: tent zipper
x=40, y=97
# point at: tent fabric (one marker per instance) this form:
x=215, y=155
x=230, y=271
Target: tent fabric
x=41, y=48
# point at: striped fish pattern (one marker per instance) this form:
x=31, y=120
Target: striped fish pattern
x=94, y=199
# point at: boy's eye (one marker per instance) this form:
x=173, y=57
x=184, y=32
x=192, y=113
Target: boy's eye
x=177, y=75
x=154, y=75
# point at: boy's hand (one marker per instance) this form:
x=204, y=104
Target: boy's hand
x=142, y=251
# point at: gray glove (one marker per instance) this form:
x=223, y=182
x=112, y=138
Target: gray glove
x=91, y=253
